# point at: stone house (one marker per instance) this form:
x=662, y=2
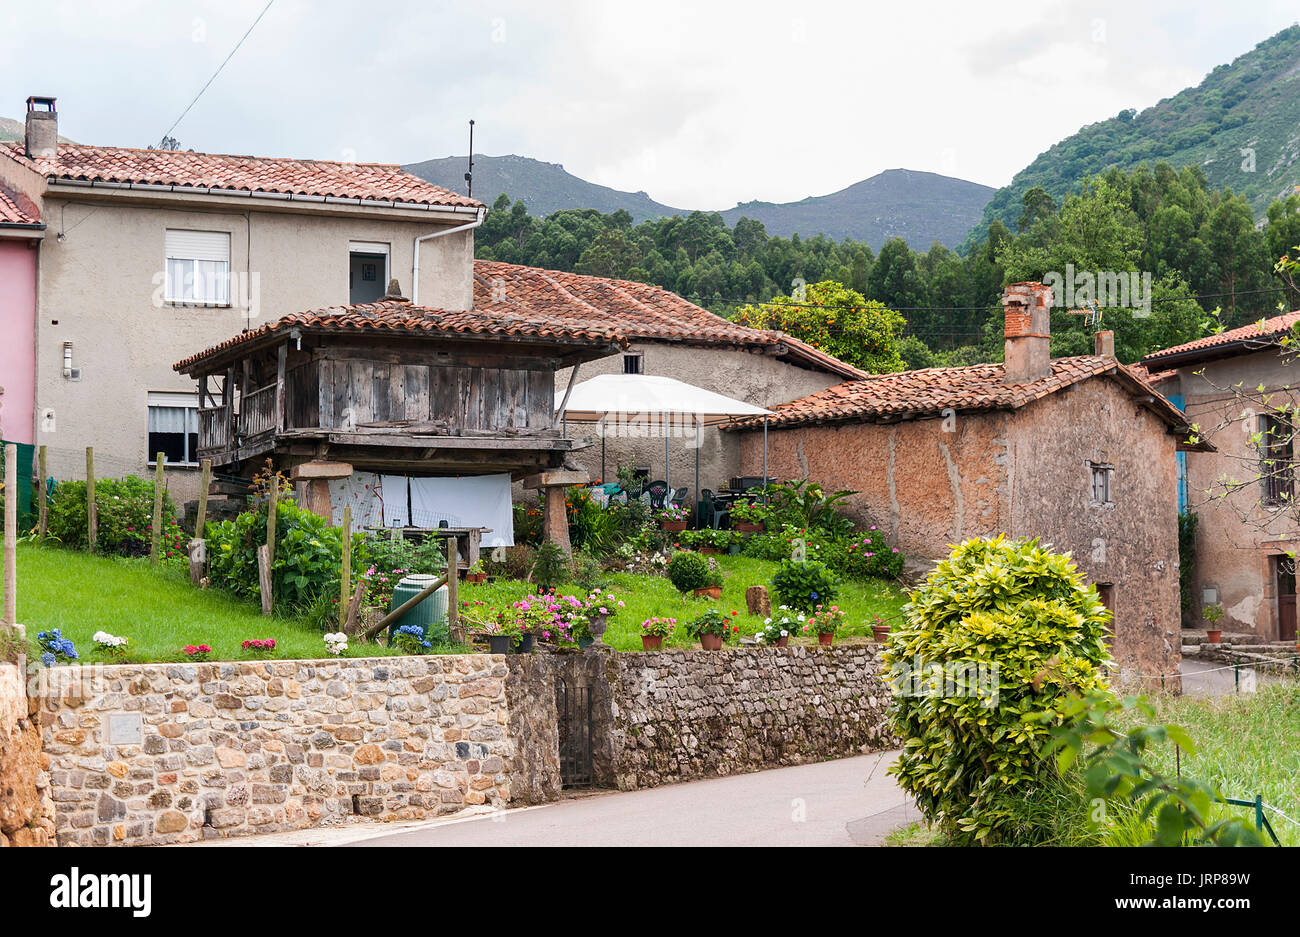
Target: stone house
x=1246, y=538
x=1078, y=452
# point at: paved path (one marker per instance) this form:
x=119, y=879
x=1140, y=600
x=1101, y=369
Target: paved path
x=846, y=802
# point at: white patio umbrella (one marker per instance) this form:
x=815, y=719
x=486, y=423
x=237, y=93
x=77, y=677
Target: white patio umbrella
x=651, y=401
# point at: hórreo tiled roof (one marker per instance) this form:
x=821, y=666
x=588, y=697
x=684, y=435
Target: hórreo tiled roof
x=303, y=177
x=639, y=311
x=399, y=317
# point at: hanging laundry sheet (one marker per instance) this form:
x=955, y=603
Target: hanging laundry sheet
x=467, y=501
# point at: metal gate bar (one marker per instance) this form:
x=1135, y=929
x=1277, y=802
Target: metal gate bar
x=573, y=704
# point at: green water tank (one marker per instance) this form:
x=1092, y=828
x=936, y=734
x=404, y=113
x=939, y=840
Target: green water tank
x=430, y=615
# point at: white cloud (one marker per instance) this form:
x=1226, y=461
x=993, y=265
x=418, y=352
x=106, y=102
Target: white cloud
x=701, y=105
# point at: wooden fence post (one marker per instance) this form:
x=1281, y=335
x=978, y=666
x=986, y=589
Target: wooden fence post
x=198, y=547
x=43, y=511
x=453, y=591
x=273, y=495
x=155, y=536
x=345, y=584
x=11, y=536
x=92, y=509
x=264, y=577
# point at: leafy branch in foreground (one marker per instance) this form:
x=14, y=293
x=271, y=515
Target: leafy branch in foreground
x=1116, y=768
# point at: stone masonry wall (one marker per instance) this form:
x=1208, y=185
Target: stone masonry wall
x=678, y=715
x=26, y=811
x=167, y=753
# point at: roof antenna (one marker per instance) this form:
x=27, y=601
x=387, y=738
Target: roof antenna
x=469, y=176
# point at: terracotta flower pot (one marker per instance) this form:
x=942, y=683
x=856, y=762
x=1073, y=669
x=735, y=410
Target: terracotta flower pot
x=826, y=639
x=881, y=633
x=673, y=526
x=748, y=527
x=710, y=592
x=651, y=642
x=783, y=641
x=476, y=577
x=1214, y=635
x=711, y=642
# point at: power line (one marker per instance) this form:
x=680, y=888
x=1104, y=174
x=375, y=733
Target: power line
x=176, y=123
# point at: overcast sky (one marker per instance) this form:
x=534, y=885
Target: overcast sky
x=700, y=104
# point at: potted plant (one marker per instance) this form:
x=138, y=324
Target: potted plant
x=601, y=607
x=713, y=629
x=476, y=573
x=673, y=517
x=880, y=630
x=825, y=622
x=777, y=629
x=748, y=516
x=714, y=542
x=693, y=572
x=1212, y=614
x=654, y=630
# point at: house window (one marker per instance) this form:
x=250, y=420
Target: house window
x=1276, y=458
x=632, y=364
x=1106, y=592
x=198, y=267
x=367, y=271
x=1101, y=473
x=174, y=428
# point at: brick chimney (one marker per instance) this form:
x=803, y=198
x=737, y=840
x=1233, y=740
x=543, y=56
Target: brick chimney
x=42, y=136
x=1103, y=344
x=1028, y=331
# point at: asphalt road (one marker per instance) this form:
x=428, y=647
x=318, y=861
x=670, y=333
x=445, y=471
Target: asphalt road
x=847, y=802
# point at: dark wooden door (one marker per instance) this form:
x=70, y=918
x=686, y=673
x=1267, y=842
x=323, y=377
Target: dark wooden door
x=1285, y=598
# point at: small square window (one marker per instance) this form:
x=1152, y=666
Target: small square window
x=174, y=428
x=632, y=364
x=198, y=267
x=1101, y=473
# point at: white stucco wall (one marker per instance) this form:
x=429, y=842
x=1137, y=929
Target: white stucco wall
x=101, y=284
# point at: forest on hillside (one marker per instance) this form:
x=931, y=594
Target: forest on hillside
x=1211, y=267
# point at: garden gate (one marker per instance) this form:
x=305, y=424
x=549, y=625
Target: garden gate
x=573, y=705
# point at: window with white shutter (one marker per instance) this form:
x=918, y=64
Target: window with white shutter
x=198, y=267
x=174, y=428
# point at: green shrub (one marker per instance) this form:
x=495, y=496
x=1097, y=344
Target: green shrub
x=688, y=571
x=125, y=520
x=308, y=554
x=550, y=565
x=803, y=504
x=804, y=585
x=1016, y=621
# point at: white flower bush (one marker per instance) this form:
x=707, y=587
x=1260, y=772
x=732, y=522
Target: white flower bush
x=336, y=643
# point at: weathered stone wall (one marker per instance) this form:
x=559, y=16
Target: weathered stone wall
x=678, y=715
x=166, y=753
x=26, y=811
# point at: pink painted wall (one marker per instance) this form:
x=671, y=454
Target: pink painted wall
x=17, y=339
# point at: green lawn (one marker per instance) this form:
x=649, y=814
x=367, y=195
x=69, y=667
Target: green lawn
x=654, y=596
x=157, y=609
x=1246, y=744
x=160, y=612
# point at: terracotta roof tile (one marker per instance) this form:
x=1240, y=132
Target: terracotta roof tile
x=1262, y=332
x=371, y=181
x=639, y=311
x=930, y=391
x=15, y=209
x=399, y=317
